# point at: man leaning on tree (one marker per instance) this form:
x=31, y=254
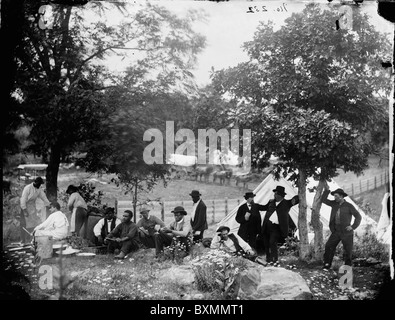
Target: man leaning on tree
x=340, y=226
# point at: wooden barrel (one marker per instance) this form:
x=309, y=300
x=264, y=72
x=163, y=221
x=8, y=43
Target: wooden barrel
x=90, y=224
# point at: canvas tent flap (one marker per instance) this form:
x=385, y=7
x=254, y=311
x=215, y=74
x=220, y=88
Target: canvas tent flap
x=264, y=192
x=384, y=226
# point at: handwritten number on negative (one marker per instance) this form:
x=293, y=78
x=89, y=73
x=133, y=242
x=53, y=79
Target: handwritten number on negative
x=250, y=9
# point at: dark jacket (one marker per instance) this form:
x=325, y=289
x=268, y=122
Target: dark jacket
x=199, y=223
x=252, y=226
x=282, y=212
x=347, y=210
x=125, y=229
x=104, y=230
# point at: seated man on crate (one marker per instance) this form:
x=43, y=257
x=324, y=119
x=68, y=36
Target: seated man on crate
x=147, y=225
x=124, y=237
x=179, y=231
x=232, y=243
x=105, y=225
x=56, y=225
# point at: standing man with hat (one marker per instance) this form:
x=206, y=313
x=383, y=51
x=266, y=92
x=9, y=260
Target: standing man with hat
x=340, y=226
x=276, y=222
x=198, y=216
x=147, y=226
x=29, y=218
x=178, y=230
x=250, y=219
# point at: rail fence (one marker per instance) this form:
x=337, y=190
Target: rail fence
x=219, y=208
x=364, y=185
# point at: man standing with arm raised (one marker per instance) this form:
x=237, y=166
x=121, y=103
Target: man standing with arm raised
x=340, y=226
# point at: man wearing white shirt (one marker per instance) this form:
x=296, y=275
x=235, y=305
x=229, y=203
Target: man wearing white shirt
x=104, y=226
x=276, y=222
x=231, y=243
x=56, y=225
x=198, y=216
x=29, y=216
x=179, y=230
x=250, y=220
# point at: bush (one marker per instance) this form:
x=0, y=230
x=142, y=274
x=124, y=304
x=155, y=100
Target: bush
x=216, y=270
x=368, y=246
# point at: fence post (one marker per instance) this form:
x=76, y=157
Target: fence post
x=226, y=206
x=182, y=203
x=375, y=182
x=162, y=210
x=213, y=211
x=238, y=202
x=116, y=207
x=352, y=189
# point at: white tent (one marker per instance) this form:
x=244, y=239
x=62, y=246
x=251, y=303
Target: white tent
x=384, y=226
x=264, y=192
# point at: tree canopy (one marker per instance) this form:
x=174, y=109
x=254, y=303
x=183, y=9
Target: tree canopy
x=72, y=101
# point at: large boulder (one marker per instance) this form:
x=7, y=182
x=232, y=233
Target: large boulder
x=271, y=283
x=182, y=275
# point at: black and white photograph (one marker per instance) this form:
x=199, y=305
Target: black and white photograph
x=212, y=151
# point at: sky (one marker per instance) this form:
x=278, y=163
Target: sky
x=229, y=26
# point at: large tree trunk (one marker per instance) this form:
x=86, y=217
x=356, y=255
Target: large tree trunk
x=302, y=219
x=316, y=222
x=52, y=173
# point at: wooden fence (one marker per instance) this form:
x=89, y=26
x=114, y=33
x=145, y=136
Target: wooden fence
x=219, y=208
x=216, y=209
x=364, y=185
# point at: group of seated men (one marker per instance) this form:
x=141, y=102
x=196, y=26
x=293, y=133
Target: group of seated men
x=123, y=237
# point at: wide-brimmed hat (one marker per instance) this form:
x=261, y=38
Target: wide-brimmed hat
x=339, y=191
x=249, y=195
x=179, y=209
x=195, y=193
x=222, y=228
x=280, y=190
x=144, y=208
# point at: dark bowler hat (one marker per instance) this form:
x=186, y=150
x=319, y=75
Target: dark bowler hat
x=180, y=209
x=340, y=192
x=249, y=195
x=222, y=228
x=280, y=190
x=195, y=193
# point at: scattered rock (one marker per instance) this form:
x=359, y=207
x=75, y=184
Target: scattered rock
x=270, y=283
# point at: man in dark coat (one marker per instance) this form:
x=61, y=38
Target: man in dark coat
x=250, y=219
x=124, y=237
x=340, y=226
x=276, y=222
x=198, y=216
